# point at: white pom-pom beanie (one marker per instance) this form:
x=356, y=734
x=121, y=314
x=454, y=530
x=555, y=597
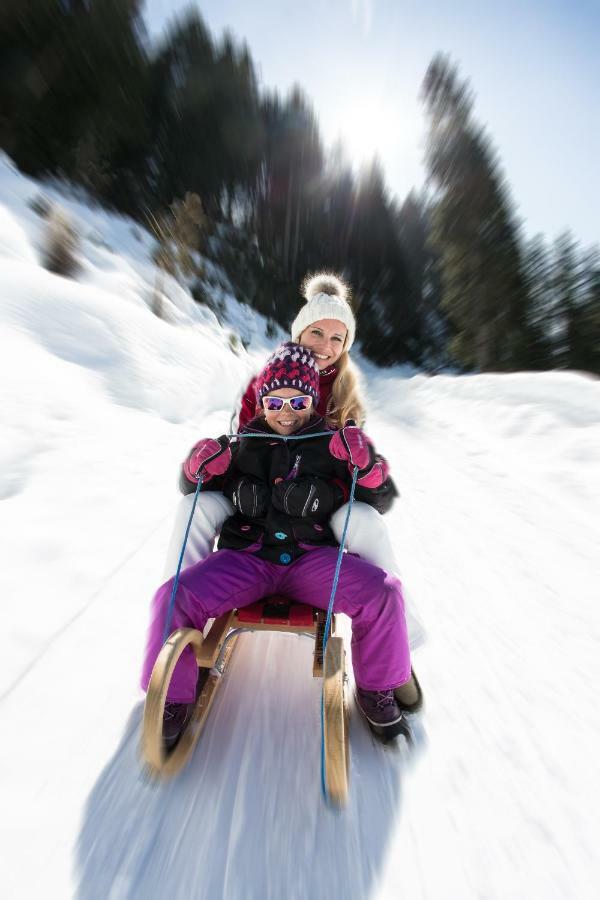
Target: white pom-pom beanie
x=322, y=305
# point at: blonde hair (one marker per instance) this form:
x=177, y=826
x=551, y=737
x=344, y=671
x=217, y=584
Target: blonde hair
x=345, y=401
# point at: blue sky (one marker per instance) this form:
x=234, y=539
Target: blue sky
x=534, y=67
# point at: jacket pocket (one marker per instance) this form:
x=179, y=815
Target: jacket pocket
x=240, y=534
x=313, y=533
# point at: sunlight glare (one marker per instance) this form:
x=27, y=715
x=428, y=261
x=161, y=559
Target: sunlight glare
x=370, y=128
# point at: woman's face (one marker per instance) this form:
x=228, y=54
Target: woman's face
x=287, y=420
x=326, y=340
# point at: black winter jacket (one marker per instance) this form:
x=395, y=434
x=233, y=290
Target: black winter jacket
x=277, y=536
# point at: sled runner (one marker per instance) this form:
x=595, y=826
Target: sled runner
x=212, y=654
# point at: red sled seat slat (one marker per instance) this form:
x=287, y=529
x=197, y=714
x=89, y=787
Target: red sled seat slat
x=276, y=611
x=301, y=614
x=252, y=613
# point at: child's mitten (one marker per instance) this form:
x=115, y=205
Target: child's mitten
x=208, y=457
x=374, y=476
x=351, y=443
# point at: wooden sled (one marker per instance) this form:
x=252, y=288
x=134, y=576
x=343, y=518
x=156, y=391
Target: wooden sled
x=212, y=655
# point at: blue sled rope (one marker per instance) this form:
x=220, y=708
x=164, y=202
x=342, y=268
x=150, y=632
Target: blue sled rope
x=166, y=632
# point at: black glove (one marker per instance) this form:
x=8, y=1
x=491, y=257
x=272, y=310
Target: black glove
x=312, y=498
x=250, y=497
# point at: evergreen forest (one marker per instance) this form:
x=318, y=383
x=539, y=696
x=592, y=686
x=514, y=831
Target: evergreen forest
x=179, y=135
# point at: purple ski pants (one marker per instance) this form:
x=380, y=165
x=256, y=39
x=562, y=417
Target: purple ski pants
x=230, y=579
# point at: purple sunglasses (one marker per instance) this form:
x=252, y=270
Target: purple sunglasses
x=298, y=403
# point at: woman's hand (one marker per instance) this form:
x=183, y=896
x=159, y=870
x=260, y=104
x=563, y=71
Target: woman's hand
x=250, y=497
x=209, y=457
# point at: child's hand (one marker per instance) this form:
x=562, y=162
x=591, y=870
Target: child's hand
x=312, y=498
x=351, y=443
x=208, y=457
x=375, y=475
x=250, y=497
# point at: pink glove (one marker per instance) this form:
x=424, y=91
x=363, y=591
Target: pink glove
x=351, y=444
x=208, y=457
x=376, y=475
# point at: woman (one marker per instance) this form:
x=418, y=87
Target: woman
x=325, y=325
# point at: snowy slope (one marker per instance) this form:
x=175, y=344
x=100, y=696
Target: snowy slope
x=498, y=533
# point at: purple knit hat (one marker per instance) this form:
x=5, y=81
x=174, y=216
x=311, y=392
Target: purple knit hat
x=293, y=366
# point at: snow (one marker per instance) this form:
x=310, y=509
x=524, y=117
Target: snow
x=498, y=531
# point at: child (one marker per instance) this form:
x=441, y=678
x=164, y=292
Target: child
x=279, y=541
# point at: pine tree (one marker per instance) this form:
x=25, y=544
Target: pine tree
x=589, y=359
x=586, y=352
x=205, y=119
x=387, y=311
x=473, y=230
x=574, y=312
x=289, y=179
x=536, y=270
x=79, y=98
x=413, y=225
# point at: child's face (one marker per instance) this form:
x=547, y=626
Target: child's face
x=287, y=420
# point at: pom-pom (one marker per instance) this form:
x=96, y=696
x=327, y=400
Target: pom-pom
x=325, y=283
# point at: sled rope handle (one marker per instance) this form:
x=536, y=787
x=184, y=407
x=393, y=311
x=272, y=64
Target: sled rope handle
x=281, y=437
x=291, y=437
x=336, y=577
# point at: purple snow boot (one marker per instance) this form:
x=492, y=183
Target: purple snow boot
x=382, y=712
x=175, y=719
